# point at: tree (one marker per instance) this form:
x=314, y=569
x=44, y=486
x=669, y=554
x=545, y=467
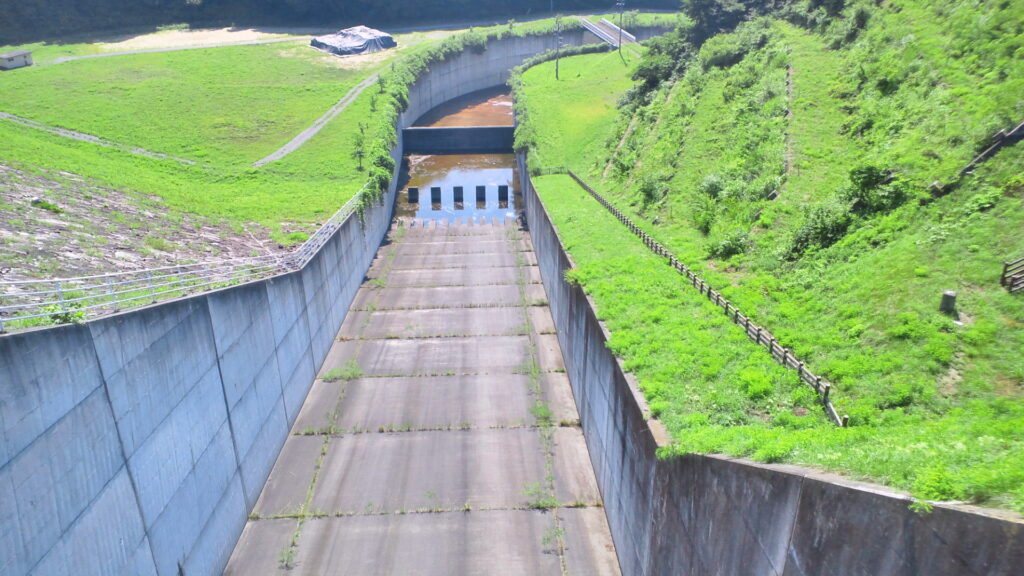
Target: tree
x=711, y=17
x=359, y=148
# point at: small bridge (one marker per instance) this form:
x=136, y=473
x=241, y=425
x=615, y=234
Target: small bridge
x=608, y=32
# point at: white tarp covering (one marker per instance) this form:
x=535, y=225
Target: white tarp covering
x=355, y=40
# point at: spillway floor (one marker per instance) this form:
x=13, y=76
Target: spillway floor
x=441, y=436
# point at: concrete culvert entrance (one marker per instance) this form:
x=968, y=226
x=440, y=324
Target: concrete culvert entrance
x=441, y=436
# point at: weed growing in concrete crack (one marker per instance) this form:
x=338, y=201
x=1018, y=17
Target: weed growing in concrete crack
x=552, y=539
x=286, y=557
x=350, y=371
x=542, y=413
x=539, y=497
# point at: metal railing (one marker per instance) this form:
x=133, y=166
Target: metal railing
x=26, y=303
x=760, y=335
x=600, y=32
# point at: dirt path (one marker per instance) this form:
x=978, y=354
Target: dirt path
x=179, y=48
x=83, y=137
x=308, y=133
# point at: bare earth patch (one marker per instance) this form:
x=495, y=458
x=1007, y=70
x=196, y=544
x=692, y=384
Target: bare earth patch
x=200, y=37
x=58, y=225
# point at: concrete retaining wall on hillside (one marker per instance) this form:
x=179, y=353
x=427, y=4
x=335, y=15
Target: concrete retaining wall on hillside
x=697, y=515
x=138, y=443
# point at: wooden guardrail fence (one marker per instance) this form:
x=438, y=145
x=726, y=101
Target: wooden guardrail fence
x=758, y=334
x=1013, y=275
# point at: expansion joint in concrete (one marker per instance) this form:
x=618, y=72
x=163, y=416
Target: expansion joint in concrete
x=465, y=508
x=227, y=411
x=402, y=429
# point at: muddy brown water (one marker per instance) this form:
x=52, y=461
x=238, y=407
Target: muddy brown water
x=490, y=107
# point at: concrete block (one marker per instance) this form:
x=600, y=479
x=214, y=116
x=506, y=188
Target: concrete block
x=428, y=470
x=175, y=531
x=436, y=322
x=474, y=261
x=485, y=542
x=438, y=297
x=168, y=457
x=213, y=546
x=494, y=355
x=151, y=359
x=589, y=548
x=292, y=340
x=52, y=481
x=286, y=488
x=244, y=335
x=426, y=278
x=259, y=548
x=108, y=538
x=256, y=464
x=45, y=374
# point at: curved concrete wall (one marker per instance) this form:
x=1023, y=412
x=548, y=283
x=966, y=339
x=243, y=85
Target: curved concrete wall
x=698, y=515
x=138, y=443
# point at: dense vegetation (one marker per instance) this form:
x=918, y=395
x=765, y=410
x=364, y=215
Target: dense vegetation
x=785, y=155
x=31, y=21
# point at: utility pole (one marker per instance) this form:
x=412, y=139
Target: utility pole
x=621, y=5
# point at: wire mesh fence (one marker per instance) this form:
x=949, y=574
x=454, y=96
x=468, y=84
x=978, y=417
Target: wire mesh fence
x=28, y=303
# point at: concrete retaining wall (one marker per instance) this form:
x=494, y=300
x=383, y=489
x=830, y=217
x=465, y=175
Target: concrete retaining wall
x=475, y=140
x=138, y=443
x=697, y=515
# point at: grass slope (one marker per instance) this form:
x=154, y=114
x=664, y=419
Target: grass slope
x=936, y=406
x=223, y=107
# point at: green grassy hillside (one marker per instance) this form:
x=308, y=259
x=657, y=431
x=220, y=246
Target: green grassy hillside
x=787, y=162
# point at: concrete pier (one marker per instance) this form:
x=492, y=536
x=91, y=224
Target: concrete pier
x=441, y=436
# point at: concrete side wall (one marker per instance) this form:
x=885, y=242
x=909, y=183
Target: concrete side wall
x=476, y=140
x=471, y=71
x=137, y=444
x=700, y=515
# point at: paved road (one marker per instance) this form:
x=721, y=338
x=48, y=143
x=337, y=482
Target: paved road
x=308, y=133
x=457, y=449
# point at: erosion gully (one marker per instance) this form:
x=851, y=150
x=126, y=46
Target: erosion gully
x=441, y=436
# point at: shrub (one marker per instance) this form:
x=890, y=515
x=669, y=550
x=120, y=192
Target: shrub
x=703, y=211
x=873, y=189
x=824, y=226
x=69, y=313
x=712, y=186
x=734, y=243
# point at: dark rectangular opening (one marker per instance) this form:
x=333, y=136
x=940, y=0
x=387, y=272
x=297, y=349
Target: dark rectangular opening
x=503, y=197
x=414, y=195
x=435, y=198
x=481, y=197
x=459, y=198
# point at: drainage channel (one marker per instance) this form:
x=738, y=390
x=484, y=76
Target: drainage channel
x=441, y=436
